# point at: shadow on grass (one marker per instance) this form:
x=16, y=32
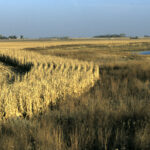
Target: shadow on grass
x=18, y=68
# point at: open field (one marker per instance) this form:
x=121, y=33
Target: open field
x=77, y=94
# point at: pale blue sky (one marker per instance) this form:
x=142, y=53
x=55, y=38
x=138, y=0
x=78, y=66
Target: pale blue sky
x=74, y=18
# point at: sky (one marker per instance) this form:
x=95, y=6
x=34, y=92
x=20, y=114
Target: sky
x=74, y=18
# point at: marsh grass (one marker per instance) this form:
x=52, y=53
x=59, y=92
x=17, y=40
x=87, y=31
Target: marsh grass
x=112, y=114
x=99, y=52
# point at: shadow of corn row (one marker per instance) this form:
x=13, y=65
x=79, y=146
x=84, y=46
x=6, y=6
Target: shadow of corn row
x=18, y=68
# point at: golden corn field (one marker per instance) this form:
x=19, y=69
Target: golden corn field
x=49, y=80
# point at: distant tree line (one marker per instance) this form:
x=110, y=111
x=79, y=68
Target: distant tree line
x=134, y=37
x=2, y=37
x=11, y=37
x=146, y=35
x=110, y=35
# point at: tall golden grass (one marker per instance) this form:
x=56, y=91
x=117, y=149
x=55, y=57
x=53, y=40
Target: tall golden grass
x=97, y=98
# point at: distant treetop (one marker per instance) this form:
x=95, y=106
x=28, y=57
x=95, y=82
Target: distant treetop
x=10, y=37
x=110, y=35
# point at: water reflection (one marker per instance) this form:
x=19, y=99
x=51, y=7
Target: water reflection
x=145, y=53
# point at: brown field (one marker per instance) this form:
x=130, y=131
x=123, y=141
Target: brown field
x=78, y=94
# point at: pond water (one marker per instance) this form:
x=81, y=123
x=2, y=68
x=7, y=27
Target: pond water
x=144, y=53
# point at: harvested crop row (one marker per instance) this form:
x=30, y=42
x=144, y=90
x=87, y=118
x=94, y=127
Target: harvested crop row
x=49, y=79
